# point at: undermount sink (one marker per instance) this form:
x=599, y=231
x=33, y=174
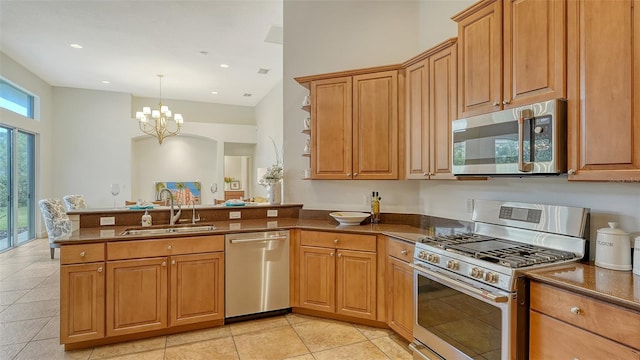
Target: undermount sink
x=168, y=230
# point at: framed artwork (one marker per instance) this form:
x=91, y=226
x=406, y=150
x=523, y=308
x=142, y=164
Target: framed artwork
x=235, y=185
x=183, y=191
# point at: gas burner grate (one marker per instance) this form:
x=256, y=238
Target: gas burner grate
x=442, y=241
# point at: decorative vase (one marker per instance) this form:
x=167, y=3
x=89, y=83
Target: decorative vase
x=273, y=193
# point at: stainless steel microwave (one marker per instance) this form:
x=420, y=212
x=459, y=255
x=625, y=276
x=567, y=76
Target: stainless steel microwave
x=523, y=141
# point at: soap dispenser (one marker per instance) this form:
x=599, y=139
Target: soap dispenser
x=146, y=219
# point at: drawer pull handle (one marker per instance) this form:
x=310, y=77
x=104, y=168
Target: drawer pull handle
x=403, y=252
x=83, y=253
x=169, y=247
x=164, y=263
x=100, y=269
x=335, y=241
x=575, y=310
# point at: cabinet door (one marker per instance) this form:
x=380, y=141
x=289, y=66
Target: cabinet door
x=356, y=284
x=331, y=133
x=551, y=339
x=417, y=121
x=375, y=126
x=317, y=278
x=534, y=51
x=480, y=58
x=603, y=90
x=136, y=295
x=81, y=302
x=197, y=288
x=400, y=295
x=443, y=110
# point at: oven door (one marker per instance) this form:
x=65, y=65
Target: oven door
x=457, y=320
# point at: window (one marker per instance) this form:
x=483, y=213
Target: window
x=14, y=99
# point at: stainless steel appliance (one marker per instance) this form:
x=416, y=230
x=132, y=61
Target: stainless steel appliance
x=527, y=140
x=256, y=272
x=470, y=293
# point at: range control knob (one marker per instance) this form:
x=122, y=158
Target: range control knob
x=476, y=273
x=422, y=254
x=491, y=277
x=433, y=258
x=453, y=265
x=538, y=129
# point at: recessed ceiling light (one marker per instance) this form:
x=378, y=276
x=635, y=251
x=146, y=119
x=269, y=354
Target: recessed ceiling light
x=224, y=65
x=106, y=82
x=76, y=46
x=214, y=92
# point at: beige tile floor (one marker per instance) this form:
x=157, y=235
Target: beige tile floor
x=29, y=327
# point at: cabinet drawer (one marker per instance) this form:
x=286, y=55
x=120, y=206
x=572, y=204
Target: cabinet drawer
x=401, y=250
x=553, y=339
x=81, y=253
x=338, y=240
x=164, y=247
x=605, y=319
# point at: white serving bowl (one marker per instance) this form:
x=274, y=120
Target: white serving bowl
x=349, y=218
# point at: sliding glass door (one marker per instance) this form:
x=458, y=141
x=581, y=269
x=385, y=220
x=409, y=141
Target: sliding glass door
x=17, y=187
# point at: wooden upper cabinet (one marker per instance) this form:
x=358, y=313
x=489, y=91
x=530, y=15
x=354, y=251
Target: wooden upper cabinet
x=354, y=124
x=331, y=128
x=375, y=126
x=431, y=105
x=512, y=53
x=603, y=90
x=480, y=58
x=534, y=51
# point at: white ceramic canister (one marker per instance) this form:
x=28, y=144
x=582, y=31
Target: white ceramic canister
x=636, y=256
x=613, y=250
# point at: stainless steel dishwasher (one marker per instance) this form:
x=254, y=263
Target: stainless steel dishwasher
x=256, y=272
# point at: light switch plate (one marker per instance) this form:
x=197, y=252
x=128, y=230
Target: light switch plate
x=235, y=215
x=272, y=213
x=107, y=220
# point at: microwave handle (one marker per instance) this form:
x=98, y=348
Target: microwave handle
x=522, y=166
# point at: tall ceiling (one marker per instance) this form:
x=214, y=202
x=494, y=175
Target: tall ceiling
x=128, y=43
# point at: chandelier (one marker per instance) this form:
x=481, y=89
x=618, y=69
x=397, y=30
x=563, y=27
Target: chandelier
x=161, y=119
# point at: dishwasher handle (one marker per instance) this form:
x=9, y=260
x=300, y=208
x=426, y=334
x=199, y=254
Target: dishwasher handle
x=250, y=240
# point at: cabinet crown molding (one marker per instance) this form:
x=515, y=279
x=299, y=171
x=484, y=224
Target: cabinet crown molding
x=472, y=10
x=427, y=53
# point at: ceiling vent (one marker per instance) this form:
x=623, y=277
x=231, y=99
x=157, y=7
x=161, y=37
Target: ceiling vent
x=247, y=94
x=274, y=35
x=263, y=71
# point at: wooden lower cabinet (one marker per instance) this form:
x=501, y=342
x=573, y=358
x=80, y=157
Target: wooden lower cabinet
x=197, y=288
x=356, y=284
x=317, y=278
x=338, y=277
x=565, y=325
x=400, y=303
x=137, y=292
x=82, y=302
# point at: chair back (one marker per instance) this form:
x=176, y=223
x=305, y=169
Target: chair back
x=55, y=219
x=74, y=202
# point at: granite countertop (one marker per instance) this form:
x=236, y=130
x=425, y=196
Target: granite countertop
x=113, y=233
x=618, y=287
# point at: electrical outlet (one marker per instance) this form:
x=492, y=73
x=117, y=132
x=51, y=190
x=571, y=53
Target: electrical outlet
x=107, y=220
x=272, y=213
x=234, y=226
x=272, y=224
x=234, y=215
x=469, y=205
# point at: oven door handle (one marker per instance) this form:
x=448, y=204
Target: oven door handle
x=496, y=298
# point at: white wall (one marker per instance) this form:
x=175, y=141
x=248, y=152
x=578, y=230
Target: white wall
x=43, y=127
x=269, y=121
x=331, y=36
x=181, y=158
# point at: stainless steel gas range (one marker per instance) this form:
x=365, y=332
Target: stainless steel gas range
x=471, y=299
